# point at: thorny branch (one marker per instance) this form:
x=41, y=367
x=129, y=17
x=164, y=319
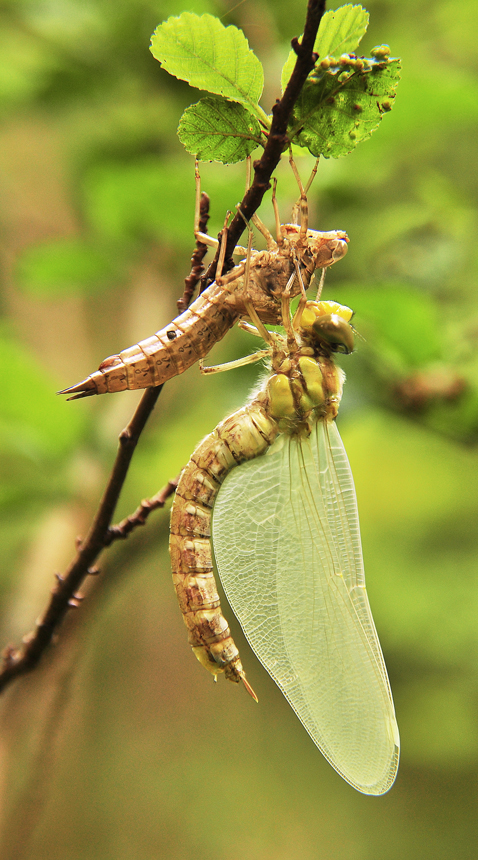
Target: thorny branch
x=141, y=514
x=64, y=596
x=19, y=661
x=200, y=252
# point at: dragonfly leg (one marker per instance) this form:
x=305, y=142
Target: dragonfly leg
x=241, y=269
x=303, y=299
x=271, y=243
x=214, y=243
x=321, y=284
x=302, y=202
x=266, y=335
x=251, y=329
x=238, y=362
x=275, y=206
x=204, y=237
x=312, y=175
x=248, y=172
x=285, y=307
x=222, y=249
x=236, y=273
x=250, y=309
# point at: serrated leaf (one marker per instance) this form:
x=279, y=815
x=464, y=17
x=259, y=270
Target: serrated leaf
x=340, y=32
x=341, y=107
x=215, y=129
x=343, y=32
x=200, y=50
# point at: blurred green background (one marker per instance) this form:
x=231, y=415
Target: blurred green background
x=119, y=747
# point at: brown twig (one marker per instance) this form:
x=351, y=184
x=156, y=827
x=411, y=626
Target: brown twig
x=200, y=252
x=141, y=514
x=18, y=661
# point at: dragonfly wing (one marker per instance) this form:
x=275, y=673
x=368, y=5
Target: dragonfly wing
x=287, y=547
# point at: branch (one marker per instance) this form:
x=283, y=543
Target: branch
x=277, y=141
x=200, y=252
x=18, y=661
x=141, y=514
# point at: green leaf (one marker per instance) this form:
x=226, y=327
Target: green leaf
x=200, y=50
x=217, y=130
x=342, y=105
x=340, y=32
x=64, y=266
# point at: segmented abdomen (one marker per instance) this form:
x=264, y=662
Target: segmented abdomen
x=192, y=334
x=167, y=353
x=244, y=435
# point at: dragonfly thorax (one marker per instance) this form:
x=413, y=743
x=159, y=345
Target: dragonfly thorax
x=322, y=248
x=304, y=390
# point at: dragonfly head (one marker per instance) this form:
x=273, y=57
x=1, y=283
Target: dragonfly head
x=335, y=332
x=323, y=249
x=329, y=323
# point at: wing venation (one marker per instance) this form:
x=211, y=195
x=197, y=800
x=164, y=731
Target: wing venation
x=287, y=546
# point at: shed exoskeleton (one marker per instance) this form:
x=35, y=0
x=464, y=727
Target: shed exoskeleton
x=260, y=281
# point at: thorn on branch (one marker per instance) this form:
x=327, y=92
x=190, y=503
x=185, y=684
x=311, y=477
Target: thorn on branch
x=125, y=436
x=199, y=253
x=9, y=655
x=121, y=530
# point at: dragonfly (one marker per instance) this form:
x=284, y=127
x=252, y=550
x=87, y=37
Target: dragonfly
x=268, y=501
x=286, y=266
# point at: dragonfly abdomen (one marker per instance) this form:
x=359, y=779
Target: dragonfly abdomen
x=244, y=435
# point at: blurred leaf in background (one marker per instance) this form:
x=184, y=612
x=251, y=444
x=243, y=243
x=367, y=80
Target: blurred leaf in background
x=97, y=217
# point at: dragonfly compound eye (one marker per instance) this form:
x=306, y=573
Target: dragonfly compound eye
x=335, y=332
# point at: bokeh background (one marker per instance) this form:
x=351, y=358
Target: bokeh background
x=119, y=747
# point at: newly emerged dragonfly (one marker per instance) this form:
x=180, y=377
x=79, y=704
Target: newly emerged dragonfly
x=268, y=500
x=260, y=280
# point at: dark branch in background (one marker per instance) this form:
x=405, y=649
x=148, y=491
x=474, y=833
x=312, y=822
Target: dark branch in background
x=64, y=595
x=200, y=252
x=18, y=661
x=277, y=140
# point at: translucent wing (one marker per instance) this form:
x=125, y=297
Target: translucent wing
x=286, y=542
